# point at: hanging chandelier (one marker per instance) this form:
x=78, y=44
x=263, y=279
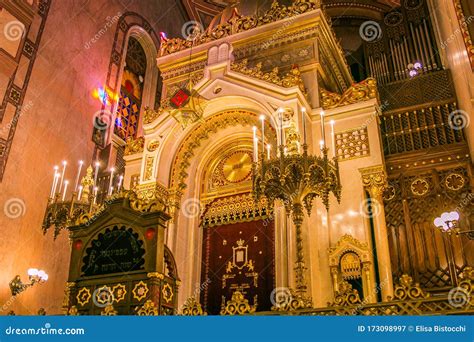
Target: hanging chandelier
x=295, y=178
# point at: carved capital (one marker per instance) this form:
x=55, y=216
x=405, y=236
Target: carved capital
x=374, y=179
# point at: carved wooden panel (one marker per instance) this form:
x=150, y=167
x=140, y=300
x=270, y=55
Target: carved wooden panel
x=411, y=204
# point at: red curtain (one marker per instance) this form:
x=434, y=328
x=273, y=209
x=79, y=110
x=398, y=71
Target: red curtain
x=240, y=257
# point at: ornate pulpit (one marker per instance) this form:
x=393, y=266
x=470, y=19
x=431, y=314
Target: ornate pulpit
x=119, y=262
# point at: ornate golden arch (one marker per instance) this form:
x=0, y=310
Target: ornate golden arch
x=203, y=132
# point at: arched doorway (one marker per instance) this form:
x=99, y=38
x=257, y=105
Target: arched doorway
x=229, y=245
x=238, y=234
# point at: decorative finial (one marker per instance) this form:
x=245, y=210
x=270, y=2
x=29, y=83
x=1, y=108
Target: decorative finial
x=86, y=182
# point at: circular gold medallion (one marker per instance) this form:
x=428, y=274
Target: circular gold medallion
x=237, y=167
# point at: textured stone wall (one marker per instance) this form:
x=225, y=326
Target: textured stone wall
x=56, y=123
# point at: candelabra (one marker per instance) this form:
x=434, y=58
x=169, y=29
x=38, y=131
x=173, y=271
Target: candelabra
x=35, y=276
x=297, y=179
x=61, y=211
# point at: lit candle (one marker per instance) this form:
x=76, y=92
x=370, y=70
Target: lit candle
x=254, y=128
x=298, y=145
x=80, y=193
x=321, y=144
x=120, y=182
x=65, y=189
x=268, y=151
x=262, y=119
x=58, y=175
x=285, y=151
x=333, y=138
x=280, y=116
x=54, y=182
x=255, y=150
x=78, y=174
x=112, y=170
x=96, y=189
x=303, y=117
x=97, y=164
x=323, y=135
x=62, y=176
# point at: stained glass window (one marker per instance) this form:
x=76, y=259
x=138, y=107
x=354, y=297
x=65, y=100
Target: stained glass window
x=128, y=110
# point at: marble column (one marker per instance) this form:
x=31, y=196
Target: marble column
x=374, y=180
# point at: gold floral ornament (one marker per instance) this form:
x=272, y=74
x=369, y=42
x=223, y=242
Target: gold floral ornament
x=167, y=293
x=134, y=146
x=148, y=309
x=346, y=295
x=104, y=295
x=236, y=23
x=455, y=181
x=140, y=290
x=407, y=290
x=292, y=301
x=73, y=311
x=419, y=187
x=238, y=305
x=467, y=283
x=153, y=145
x=150, y=115
x=119, y=292
x=109, y=311
x=83, y=296
x=290, y=79
x=192, y=308
x=358, y=92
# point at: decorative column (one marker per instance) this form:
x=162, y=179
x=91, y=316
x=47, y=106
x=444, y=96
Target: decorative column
x=374, y=180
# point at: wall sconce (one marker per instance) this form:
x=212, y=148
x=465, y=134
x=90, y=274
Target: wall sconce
x=414, y=69
x=447, y=222
x=35, y=276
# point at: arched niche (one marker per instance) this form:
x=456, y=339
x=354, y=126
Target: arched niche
x=349, y=260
